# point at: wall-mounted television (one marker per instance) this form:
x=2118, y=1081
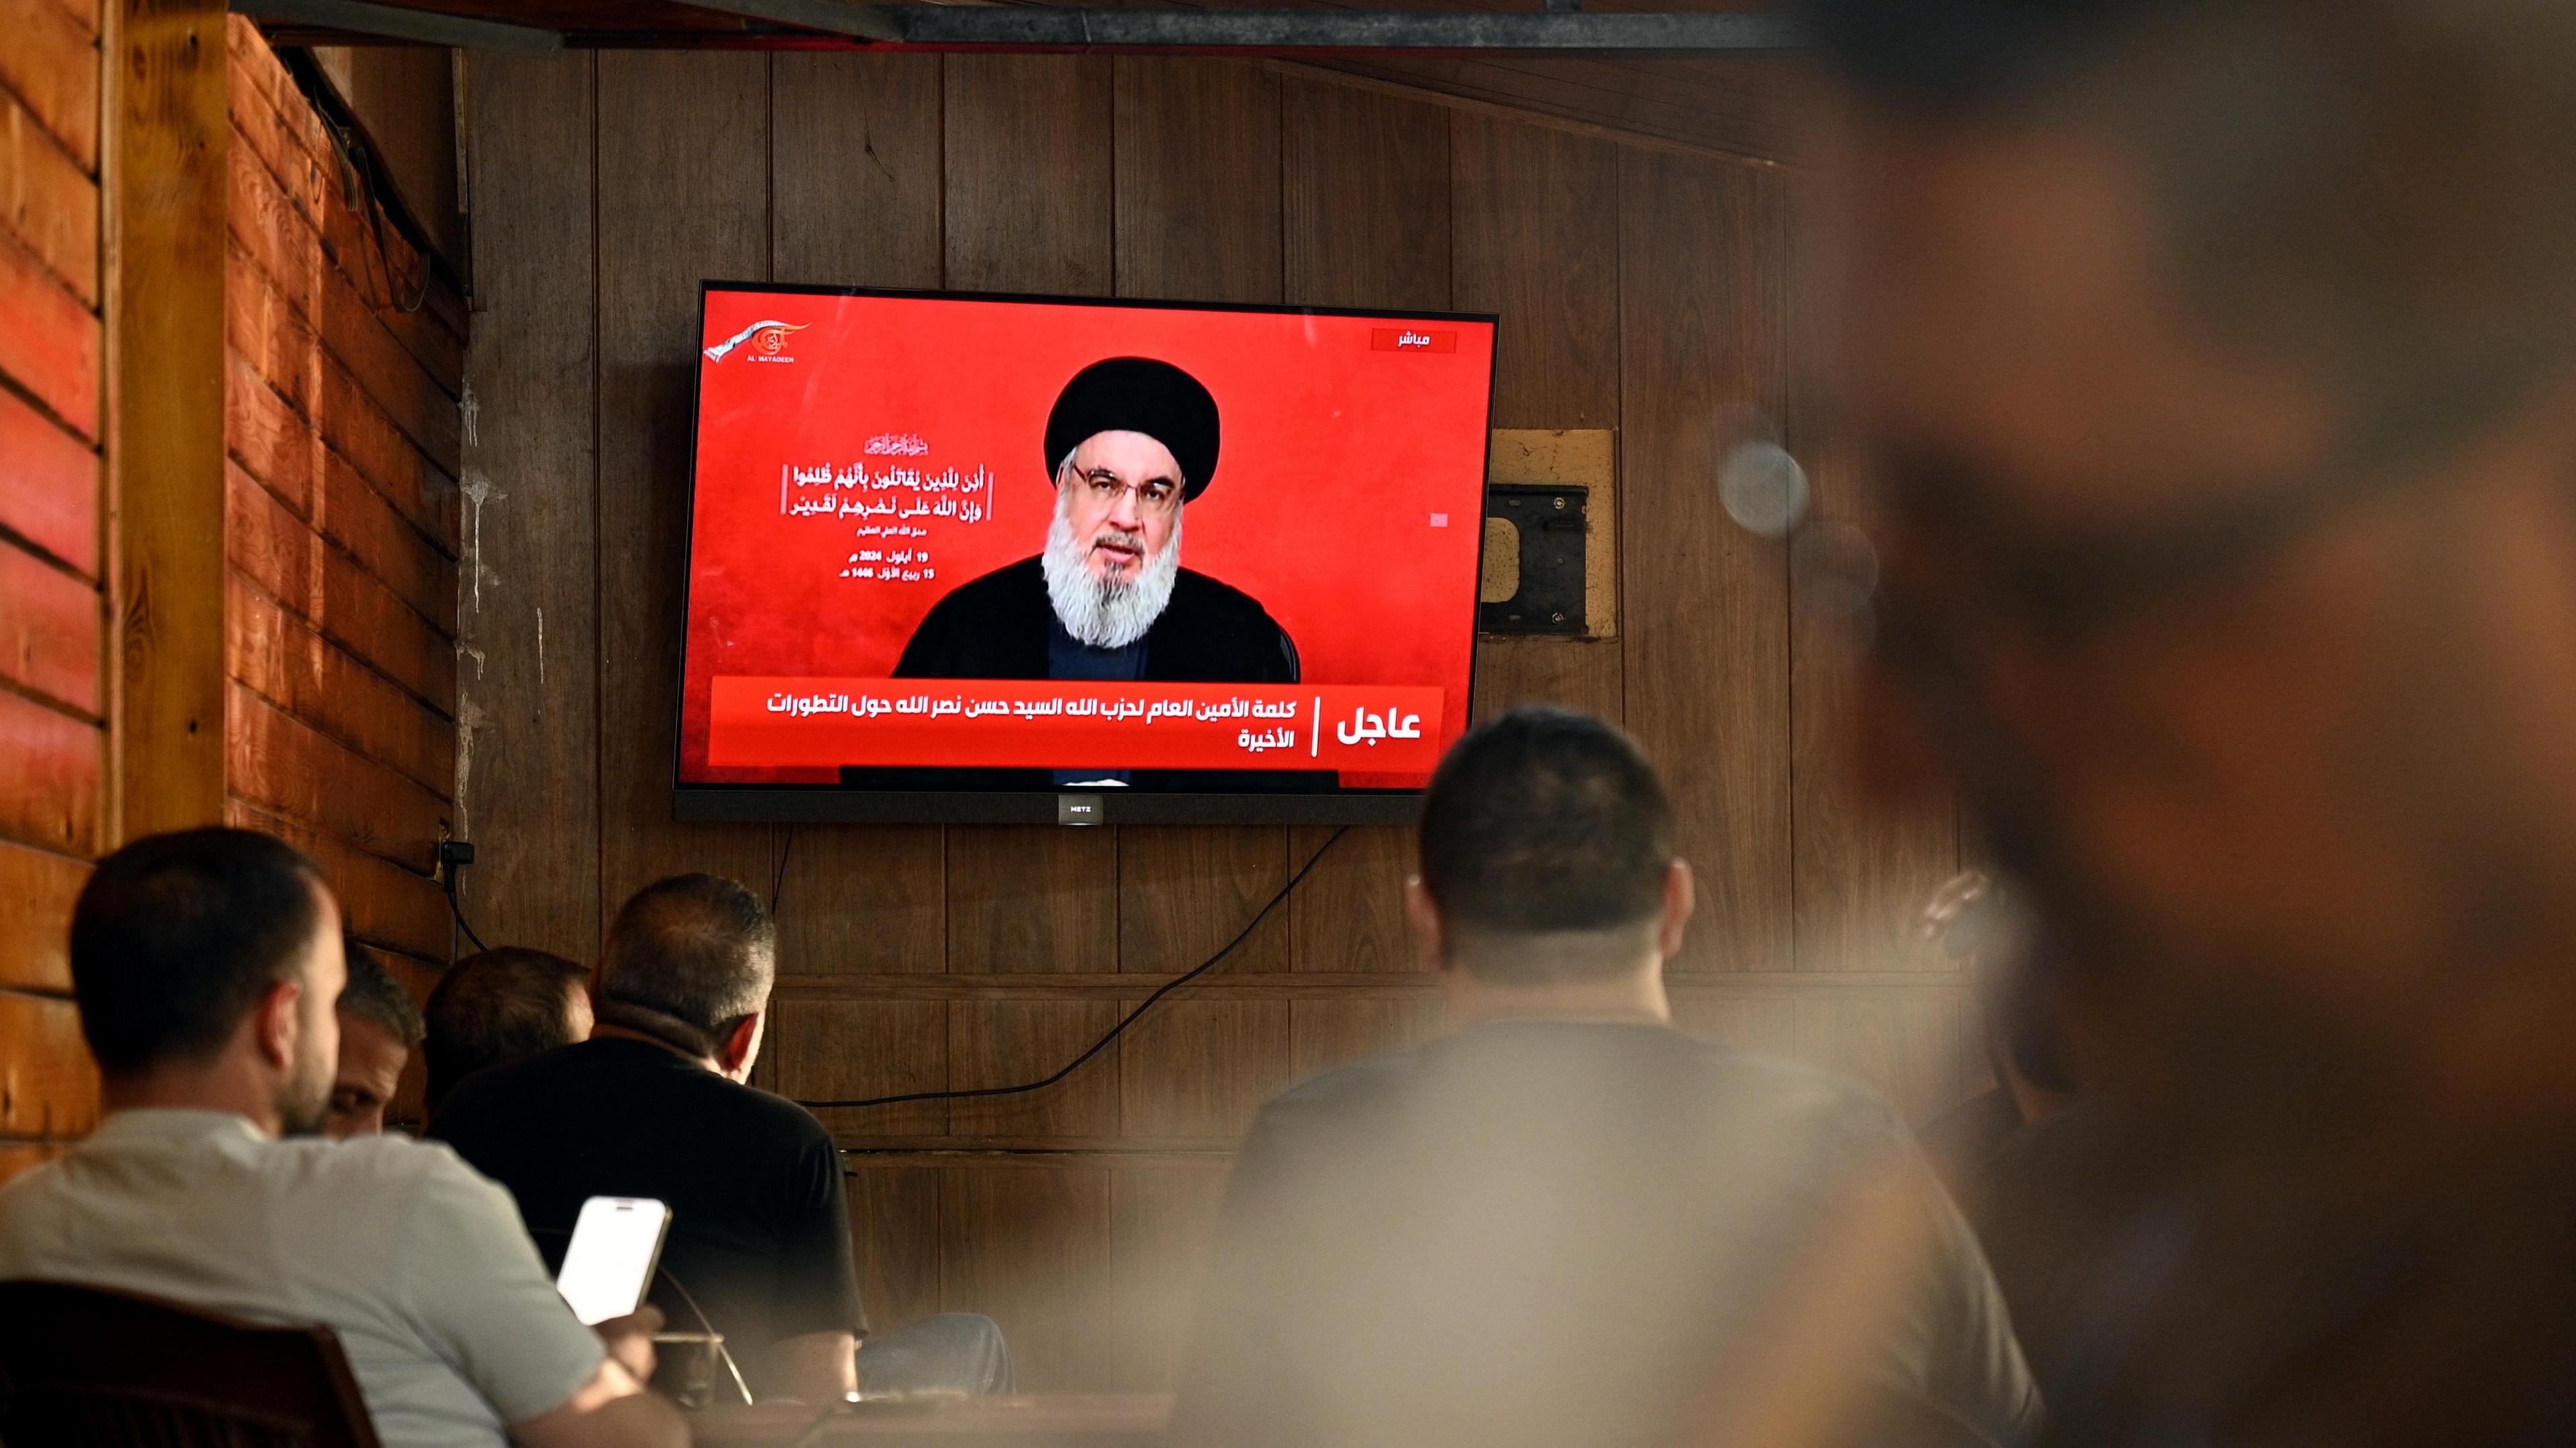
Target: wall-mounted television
x=958, y=557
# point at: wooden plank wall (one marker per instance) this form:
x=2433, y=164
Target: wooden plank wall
x=54, y=684
x=1644, y=287
x=343, y=365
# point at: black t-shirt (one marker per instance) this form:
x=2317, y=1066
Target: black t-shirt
x=760, y=1230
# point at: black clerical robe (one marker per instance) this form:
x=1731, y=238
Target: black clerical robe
x=999, y=627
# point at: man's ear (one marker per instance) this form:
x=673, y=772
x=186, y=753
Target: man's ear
x=1681, y=897
x=741, y=1046
x=276, y=1030
x=1430, y=939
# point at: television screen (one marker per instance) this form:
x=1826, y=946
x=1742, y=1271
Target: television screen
x=953, y=557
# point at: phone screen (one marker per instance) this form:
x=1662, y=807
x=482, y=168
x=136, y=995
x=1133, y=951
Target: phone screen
x=610, y=1262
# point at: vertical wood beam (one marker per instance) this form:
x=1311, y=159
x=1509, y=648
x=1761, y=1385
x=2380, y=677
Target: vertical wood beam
x=165, y=163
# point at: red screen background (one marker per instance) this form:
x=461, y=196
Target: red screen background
x=1337, y=451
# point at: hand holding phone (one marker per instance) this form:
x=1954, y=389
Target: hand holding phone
x=615, y=1247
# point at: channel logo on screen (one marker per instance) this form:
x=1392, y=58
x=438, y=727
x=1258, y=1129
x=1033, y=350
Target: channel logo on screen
x=1412, y=339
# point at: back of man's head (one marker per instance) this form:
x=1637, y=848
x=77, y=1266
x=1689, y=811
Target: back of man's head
x=176, y=937
x=374, y=996
x=1546, y=842
x=500, y=1006
x=697, y=951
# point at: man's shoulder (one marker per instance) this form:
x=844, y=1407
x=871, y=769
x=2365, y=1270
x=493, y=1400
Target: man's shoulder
x=1351, y=1092
x=573, y=1078
x=1207, y=598
x=1010, y=585
x=1689, y=1074
x=387, y=1166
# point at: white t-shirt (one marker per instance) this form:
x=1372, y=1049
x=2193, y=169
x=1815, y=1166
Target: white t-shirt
x=418, y=1263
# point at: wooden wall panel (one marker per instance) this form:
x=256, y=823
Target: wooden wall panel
x=1028, y=1245
x=855, y=179
x=894, y=1225
x=1706, y=638
x=48, y=1084
x=864, y=899
x=49, y=630
x=48, y=199
x=58, y=705
x=1030, y=898
x=1028, y=188
x=851, y=1050
x=1863, y=868
x=1010, y=1042
x=1201, y=1068
x=51, y=766
x=683, y=195
x=1365, y=198
x=165, y=206
x=1197, y=180
x=276, y=550
x=51, y=64
x=279, y=657
x=1365, y=220
x=389, y=905
x=340, y=598
x=528, y=755
x=36, y=894
x=49, y=481
x=1534, y=220
x=855, y=169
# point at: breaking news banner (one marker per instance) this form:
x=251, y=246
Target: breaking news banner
x=828, y=723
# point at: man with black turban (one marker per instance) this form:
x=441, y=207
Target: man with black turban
x=1130, y=442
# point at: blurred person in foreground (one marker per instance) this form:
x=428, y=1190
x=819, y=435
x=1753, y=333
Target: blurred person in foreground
x=656, y=1104
x=1567, y=1222
x=499, y=1006
x=206, y=964
x=2216, y=369
x=379, y=1026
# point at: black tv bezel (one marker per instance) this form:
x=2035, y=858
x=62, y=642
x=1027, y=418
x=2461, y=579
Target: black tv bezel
x=764, y=803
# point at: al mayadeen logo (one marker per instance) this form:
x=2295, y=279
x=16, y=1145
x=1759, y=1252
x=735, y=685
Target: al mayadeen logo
x=768, y=341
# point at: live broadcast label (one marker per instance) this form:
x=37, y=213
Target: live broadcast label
x=828, y=723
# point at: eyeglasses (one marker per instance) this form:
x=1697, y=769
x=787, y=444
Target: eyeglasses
x=1154, y=495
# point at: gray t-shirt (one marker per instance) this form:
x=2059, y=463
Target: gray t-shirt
x=1545, y=1233
x=419, y=1265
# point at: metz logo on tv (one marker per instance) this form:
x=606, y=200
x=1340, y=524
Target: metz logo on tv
x=766, y=342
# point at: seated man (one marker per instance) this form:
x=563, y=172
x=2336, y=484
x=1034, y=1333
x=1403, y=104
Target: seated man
x=500, y=1006
x=206, y=964
x=654, y=1105
x=379, y=1026
x=1568, y=1222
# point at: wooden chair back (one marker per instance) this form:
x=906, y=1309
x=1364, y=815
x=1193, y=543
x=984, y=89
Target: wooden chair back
x=83, y=1366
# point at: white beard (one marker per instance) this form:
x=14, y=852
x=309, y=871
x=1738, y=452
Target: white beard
x=1106, y=614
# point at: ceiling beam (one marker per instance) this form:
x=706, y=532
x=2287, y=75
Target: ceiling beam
x=1276, y=32
x=396, y=22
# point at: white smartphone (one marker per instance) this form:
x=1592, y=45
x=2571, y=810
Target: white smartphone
x=615, y=1247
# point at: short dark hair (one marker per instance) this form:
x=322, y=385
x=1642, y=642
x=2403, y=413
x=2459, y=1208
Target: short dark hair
x=1545, y=821
x=697, y=949
x=493, y=1008
x=176, y=937
x=374, y=996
